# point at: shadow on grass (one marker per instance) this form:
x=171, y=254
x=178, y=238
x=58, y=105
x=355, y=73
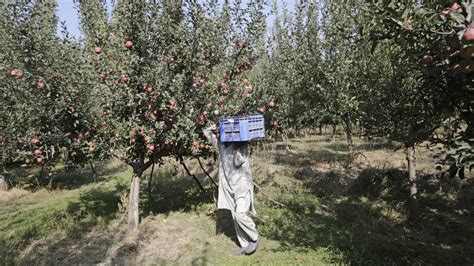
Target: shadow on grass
x=309, y=157
x=342, y=147
x=364, y=220
x=173, y=192
x=30, y=178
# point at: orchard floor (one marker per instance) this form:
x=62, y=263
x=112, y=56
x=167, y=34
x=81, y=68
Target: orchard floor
x=333, y=214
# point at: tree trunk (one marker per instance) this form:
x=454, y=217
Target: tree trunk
x=150, y=180
x=334, y=132
x=94, y=172
x=320, y=129
x=350, y=147
x=411, y=159
x=133, y=211
x=3, y=184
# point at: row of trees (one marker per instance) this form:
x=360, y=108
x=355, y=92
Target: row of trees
x=142, y=83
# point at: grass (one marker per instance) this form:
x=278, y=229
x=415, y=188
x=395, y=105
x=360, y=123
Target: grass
x=334, y=214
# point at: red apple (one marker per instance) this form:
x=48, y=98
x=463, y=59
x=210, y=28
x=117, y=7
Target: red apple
x=455, y=7
x=149, y=90
x=39, y=160
x=40, y=84
x=274, y=123
x=225, y=91
x=436, y=72
x=103, y=75
x=427, y=59
x=271, y=104
x=111, y=70
x=35, y=141
x=122, y=156
x=469, y=33
x=27, y=161
x=204, y=113
x=128, y=44
x=261, y=110
x=97, y=50
x=448, y=49
x=194, y=85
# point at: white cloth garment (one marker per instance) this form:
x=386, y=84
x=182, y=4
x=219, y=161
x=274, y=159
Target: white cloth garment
x=235, y=186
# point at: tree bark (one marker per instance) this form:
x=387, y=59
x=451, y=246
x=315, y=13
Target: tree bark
x=334, y=132
x=94, y=172
x=133, y=211
x=3, y=184
x=150, y=180
x=320, y=129
x=413, y=200
x=350, y=146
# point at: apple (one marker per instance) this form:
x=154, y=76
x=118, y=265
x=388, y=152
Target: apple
x=225, y=91
x=122, y=156
x=27, y=161
x=448, y=49
x=204, y=113
x=149, y=90
x=216, y=112
x=133, y=140
x=111, y=70
x=455, y=7
x=436, y=72
x=35, y=141
x=274, y=123
x=21, y=141
x=40, y=84
x=201, y=80
x=97, y=50
x=206, y=147
x=469, y=33
x=226, y=75
x=123, y=79
x=194, y=85
x=200, y=120
x=103, y=75
x=171, y=106
x=456, y=68
x=261, y=110
x=40, y=160
x=147, y=138
x=427, y=59
x=271, y=104
x=128, y=44
x=467, y=52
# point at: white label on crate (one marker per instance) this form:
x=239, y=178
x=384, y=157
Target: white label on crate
x=230, y=120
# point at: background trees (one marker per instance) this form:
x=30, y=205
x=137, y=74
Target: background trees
x=146, y=78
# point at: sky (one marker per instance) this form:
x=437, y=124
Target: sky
x=68, y=13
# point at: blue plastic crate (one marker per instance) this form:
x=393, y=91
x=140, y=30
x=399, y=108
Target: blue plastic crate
x=241, y=128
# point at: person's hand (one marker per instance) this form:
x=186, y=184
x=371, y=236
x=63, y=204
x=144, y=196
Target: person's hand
x=214, y=128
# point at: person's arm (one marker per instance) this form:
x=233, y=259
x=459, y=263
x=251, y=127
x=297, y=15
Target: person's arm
x=239, y=159
x=210, y=135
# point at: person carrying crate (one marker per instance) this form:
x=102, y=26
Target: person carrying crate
x=236, y=189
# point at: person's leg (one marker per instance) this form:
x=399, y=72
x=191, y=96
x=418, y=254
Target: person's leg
x=242, y=237
x=247, y=229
